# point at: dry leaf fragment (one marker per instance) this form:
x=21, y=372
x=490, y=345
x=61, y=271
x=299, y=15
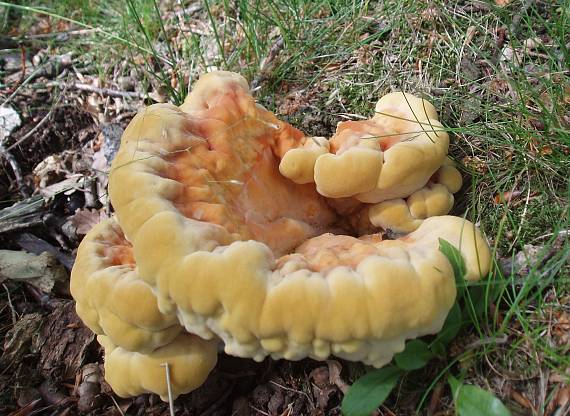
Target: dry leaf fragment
x=558, y=378
x=157, y=96
x=49, y=170
x=73, y=183
x=475, y=163
x=430, y=14
x=532, y=43
x=9, y=120
x=42, y=271
x=334, y=375
x=506, y=197
x=530, y=256
x=90, y=388
x=561, y=329
x=85, y=219
x=522, y=400
x=560, y=404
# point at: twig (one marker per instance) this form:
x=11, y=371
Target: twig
x=523, y=215
x=259, y=410
x=31, y=132
x=169, y=388
x=12, y=310
x=61, y=35
x=22, y=84
x=117, y=406
x=15, y=168
x=107, y=91
x=559, y=233
x=294, y=391
x=6, y=151
x=486, y=341
x=86, y=26
x=435, y=400
x=267, y=63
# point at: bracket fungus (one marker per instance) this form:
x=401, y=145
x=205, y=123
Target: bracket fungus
x=239, y=229
x=120, y=307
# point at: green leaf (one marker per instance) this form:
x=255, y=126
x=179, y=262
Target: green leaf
x=370, y=391
x=478, y=301
x=451, y=326
x=474, y=401
x=456, y=260
x=416, y=355
x=438, y=348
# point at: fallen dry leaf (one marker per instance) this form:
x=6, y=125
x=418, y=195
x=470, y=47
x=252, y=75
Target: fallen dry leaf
x=9, y=120
x=498, y=86
x=90, y=388
x=506, y=197
x=430, y=14
x=50, y=170
x=561, y=329
x=85, y=219
x=475, y=163
x=530, y=256
x=73, y=183
x=323, y=389
x=157, y=96
x=41, y=271
x=522, y=400
x=334, y=375
x=560, y=404
x=532, y=43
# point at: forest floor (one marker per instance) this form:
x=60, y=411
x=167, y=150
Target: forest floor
x=74, y=73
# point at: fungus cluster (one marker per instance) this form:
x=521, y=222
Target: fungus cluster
x=233, y=228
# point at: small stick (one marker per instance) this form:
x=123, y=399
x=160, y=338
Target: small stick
x=434, y=402
x=486, y=341
x=103, y=91
x=267, y=63
x=37, y=126
x=14, y=315
x=117, y=406
x=107, y=91
x=31, y=132
x=22, y=84
x=15, y=168
x=63, y=34
x=169, y=387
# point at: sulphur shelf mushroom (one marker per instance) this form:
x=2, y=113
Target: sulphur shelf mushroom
x=234, y=226
x=121, y=308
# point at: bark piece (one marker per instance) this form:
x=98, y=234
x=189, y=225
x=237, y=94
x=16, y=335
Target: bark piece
x=63, y=342
x=23, y=215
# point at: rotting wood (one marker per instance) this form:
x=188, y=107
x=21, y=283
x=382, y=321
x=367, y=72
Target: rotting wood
x=36, y=245
x=23, y=215
x=63, y=342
